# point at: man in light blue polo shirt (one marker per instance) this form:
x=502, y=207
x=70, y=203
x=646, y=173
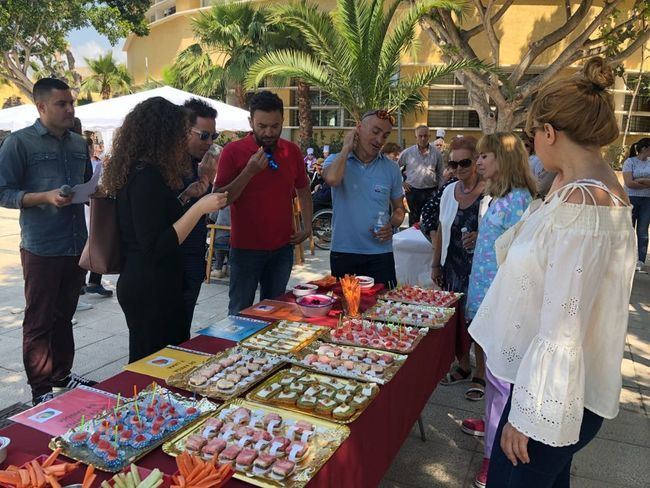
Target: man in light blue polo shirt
x=367, y=201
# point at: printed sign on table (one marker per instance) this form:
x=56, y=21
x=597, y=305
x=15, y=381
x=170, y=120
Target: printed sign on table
x=168, y=361
x=64, y=412
x=275, y=310
x=234, y=328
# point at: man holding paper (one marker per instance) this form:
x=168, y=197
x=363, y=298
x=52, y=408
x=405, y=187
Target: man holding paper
x=35, y=163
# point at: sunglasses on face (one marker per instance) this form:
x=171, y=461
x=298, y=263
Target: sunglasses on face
x=381, y=114
x=463, y=163
x=204, y=135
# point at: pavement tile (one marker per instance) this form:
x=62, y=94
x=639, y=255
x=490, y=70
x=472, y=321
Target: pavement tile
x=454, y=396
x=427, y=464
x=614, y=462
x=442, y=426
x=631, y=399
x=627, y=428
x=578, y=482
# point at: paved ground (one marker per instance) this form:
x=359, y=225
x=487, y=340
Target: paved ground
x=448, y=459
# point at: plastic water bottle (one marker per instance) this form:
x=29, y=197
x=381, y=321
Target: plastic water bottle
x=463, y=232
x=382, y=220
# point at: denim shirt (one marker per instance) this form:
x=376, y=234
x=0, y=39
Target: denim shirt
x=31, y=161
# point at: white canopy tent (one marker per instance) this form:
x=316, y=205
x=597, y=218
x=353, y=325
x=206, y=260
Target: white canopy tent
x=107, y=115
x=15, y=118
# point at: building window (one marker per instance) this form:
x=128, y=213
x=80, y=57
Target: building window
x=638, y=123
x=325, y=112
x=450, y=119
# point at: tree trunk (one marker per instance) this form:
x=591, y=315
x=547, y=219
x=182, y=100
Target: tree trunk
x=240, y=96
x=306, y=131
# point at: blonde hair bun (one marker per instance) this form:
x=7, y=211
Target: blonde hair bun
x=599, y=73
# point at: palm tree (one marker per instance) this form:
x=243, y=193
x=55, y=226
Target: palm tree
x=355, y=53
x=193, y=70
x=231, y=38
x=107, y=78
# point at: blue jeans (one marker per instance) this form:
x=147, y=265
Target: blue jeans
x=549, y=467
x=641, y=220
x=248, y=268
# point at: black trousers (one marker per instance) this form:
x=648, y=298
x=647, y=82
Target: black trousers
x=381, y=267
x=549, y=467
x=416, y=198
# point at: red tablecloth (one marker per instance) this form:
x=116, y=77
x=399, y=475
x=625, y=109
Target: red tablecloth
x=361, y=461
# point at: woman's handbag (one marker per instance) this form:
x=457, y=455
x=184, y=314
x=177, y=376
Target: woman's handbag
x=102, y=253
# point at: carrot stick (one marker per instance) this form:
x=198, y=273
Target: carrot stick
x=52, y=457
x=89, y=472
x=52, y=480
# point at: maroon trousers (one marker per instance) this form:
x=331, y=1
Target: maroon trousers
x=52, y=285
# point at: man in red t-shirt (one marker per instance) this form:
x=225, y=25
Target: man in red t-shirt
x=261, y=174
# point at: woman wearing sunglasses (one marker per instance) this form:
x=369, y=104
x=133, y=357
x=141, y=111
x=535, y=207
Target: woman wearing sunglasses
x=553, y=323
x=454, y=241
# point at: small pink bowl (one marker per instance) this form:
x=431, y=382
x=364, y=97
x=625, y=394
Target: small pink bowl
x=315, y=305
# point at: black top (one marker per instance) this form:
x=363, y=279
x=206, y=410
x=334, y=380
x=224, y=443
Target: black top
x=430, y=213
x=150, y=286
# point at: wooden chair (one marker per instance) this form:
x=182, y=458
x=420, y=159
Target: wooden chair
x=299, y=252
x=212, y=233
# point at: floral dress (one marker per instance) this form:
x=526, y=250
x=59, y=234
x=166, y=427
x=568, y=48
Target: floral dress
x=501, y=214
x=458, y=263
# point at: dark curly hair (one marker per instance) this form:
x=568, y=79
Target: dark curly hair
x=154, y=132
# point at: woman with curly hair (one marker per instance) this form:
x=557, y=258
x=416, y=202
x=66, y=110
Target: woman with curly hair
x=145, y=173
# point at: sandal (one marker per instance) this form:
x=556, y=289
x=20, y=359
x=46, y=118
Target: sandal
x=457, y=375
x=476, y=393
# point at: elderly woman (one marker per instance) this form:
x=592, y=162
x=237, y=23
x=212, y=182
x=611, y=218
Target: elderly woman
x=458, y=215
x=553, y=322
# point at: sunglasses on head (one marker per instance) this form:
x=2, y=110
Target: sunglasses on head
x=463, y=163
x=380, y=114
x=204, y=135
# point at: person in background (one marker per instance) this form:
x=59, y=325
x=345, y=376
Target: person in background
x=94, y=285
x=202, y=118
x=423, y=168
x=222, y=238
x=636, y=175
x=439, y=141
x=310, y=160
x=35, y=162
x=326, y=152
x=510, y=187
x=544, y=178
x=145, y=172
x=262, y=172
x=317, y=176
x=391, y=151
x=365, y=186
x=554, y=322
x=453, y=244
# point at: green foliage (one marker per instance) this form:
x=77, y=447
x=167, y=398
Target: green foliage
x=615, y=155
x=107, y=78
x=34, y=31
x=355, y=53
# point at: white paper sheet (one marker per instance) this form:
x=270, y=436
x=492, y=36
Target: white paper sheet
x=83, y=191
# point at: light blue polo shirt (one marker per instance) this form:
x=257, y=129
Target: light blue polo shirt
x=366, y=190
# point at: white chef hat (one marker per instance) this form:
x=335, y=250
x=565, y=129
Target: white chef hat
x=440, y=133
x=310, y=151
x=326, y=148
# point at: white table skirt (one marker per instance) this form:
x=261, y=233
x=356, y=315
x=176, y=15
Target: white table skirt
x=413, y=257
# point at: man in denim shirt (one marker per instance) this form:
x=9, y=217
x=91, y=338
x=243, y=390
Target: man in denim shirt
x=34, y=163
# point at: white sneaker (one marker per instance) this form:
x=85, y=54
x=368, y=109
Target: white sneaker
x=640, y=265
x=83, y=306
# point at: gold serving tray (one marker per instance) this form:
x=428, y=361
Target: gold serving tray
x=85, y=455
x=316, y=332
x=453, y=297
x=330, y=436
x=422, y=331
x=317, y=378
x=432, y=323
x=389, y=371
x=181, y=380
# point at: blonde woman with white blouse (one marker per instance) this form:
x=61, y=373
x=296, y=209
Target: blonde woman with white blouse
x=553, y=322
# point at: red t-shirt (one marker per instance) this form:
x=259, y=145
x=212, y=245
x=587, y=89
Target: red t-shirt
x=262, y=217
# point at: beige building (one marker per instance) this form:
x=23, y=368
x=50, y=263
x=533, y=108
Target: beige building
x=446, y=106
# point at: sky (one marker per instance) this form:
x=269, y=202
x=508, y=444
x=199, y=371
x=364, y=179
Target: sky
x=88, y=43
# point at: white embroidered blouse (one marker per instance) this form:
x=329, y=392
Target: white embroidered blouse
x=553, y=322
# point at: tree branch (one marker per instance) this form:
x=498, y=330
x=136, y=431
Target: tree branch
x=564, y=59
x=468, y=34
x=491, y=34
x=538, y=47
